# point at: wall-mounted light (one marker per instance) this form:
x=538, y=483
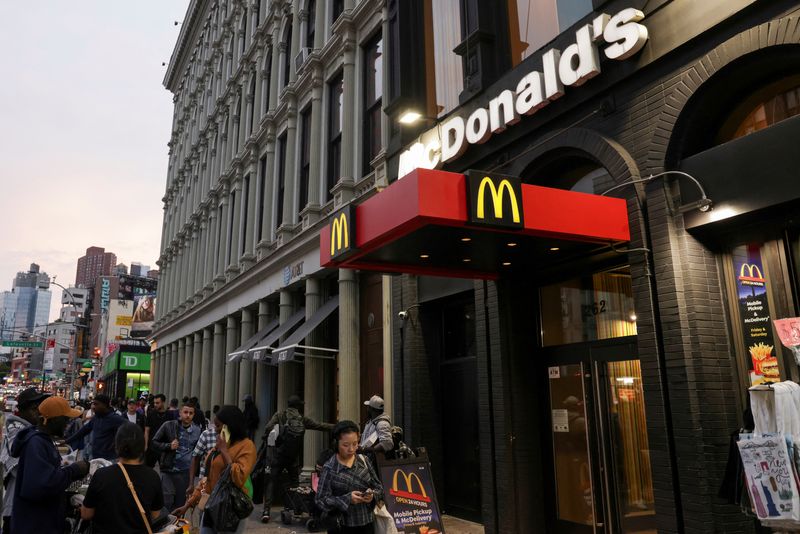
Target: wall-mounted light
x=409, y=116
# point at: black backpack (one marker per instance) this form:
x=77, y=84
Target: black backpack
x=290, y=438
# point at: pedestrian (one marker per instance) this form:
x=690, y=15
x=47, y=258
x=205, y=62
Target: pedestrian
x=348, y=483
x=250, y=416
x=27, y=415
x=103, y=427
x=286, y=457
x=39, y=503
x=109, y=503
x=173, y=412
x=377, y=436
x=206, y=443
x=199, y=418
x=176, y=440
x=134, y=416
x=237, y=451
x=156, y=416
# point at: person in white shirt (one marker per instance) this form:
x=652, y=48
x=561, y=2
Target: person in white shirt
x=133, y=415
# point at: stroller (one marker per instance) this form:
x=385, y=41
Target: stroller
x=300, y=503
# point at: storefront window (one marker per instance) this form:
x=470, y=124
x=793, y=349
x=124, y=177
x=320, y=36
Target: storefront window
x=444, y=74
x=533, y=23
x=573, y=173
x=589, y=308
x=770, y=105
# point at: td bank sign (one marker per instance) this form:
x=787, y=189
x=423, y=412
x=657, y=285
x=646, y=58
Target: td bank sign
x=620, y=37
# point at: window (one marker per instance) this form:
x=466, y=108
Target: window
x=444, y=75
x=262, y=182
x=219, y=233
x=243, y=26
x=281, y=180
x=571, y=172
x=311, y=23
x=231, y=210
x=266, y=82
x=373, y=91
x=533, y=23
x=253, y=101
x=337, y=8
x=305, y=155
x=237, y=124
x=776, y=102
x=245, y=213
x=335, y=94
x=287, y=62
x=258, y=13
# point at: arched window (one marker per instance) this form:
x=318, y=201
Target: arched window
x=265, y=86
x=311, y=15
x=287, y=60
x=570, y=170
x=777, y=101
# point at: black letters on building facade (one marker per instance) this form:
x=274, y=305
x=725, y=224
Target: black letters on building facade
x=596, y=389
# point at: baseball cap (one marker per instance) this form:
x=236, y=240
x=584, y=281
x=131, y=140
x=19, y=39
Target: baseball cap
x=30, y=396
x=294, y=400
x=374, y=402
x=56, y=407
x=247, y=398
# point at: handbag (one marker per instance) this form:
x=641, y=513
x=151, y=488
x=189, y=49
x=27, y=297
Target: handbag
x=228, y=504
x=168, y=528
x=384, y=522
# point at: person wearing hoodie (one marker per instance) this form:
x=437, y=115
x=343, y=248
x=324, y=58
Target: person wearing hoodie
x=103, y=426
x=27, y=415
x=39, y=503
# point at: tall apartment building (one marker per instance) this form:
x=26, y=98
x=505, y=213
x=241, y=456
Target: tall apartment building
x=277, y=123
x=27, y=304
x=96, y=262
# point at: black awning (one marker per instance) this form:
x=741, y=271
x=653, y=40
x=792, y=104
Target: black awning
x=286, y=351
x=237, y=355
x=256, y=352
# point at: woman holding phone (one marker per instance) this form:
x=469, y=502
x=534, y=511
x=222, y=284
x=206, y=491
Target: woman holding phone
x=233, y=449
x=348, y=483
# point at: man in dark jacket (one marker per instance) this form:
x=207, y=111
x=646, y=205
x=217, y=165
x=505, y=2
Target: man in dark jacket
x=104, y=426
x=176, y=441
x=39, y=501
x=133, y=415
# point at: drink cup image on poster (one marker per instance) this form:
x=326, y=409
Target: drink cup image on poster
x=410, y=497
x=755, y=324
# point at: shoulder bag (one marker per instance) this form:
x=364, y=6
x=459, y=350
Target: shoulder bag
x=228, y=503
x=169, y=527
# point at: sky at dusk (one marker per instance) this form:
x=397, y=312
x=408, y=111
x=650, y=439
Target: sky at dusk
x=84, y=125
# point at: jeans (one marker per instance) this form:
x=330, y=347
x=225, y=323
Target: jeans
x=293, y=472
x=174, y=485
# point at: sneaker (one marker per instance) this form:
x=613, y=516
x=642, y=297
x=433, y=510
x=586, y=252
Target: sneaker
x=265, y=517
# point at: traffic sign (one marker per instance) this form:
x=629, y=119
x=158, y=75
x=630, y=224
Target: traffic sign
x=23, y=344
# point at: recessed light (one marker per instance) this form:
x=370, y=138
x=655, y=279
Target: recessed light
x=506, y=263
x=466, y=239
x=424, y=256
x=512, y=244
x=466, y=260
x=553, y=249
x=633, y=317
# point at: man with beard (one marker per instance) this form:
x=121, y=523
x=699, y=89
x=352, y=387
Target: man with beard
x=27, y=415
x=39, y=501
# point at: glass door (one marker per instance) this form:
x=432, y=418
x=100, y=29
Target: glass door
x=601, y=472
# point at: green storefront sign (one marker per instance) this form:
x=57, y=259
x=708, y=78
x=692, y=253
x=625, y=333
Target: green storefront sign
x=127, y=361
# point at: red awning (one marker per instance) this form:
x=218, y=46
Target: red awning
x=421, y=224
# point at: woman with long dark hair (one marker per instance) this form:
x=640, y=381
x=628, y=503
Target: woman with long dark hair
x=233, y=449
x=349, y=484
x=109, y=502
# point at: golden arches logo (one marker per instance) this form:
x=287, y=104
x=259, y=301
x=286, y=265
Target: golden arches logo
x=408, y=492
x=340, y=238
x=497, y=199
x=753, y=273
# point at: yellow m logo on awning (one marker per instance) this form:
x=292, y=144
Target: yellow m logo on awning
x=497, y=199
x=340, y=238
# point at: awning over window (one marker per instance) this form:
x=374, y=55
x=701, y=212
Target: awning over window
x=241, y=351
x=258, y=352
x=288, y=350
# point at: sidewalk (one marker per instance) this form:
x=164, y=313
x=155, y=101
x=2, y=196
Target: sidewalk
x=275, y=526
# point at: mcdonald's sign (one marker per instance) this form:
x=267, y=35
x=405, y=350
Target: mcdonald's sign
x=751, y=273
x=408, y=492
x=495, y=200
x=342, y=228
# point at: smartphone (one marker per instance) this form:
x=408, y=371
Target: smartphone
x=226, y=434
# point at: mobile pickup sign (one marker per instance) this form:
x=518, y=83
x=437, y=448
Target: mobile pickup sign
x=410, y=496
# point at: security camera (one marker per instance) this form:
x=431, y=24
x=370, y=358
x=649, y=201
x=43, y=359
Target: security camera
x=402, y=315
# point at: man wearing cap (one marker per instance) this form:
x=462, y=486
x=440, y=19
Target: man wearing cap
x=377, y=435
x=250, y=416
x=27, y=415
x=293, y=425
x=103, y=426
x=39, y=504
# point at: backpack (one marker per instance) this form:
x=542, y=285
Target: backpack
x=290, y=439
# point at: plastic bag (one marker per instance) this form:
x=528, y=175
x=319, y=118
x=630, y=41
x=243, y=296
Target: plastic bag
x=228, y=504
x=384, y=522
